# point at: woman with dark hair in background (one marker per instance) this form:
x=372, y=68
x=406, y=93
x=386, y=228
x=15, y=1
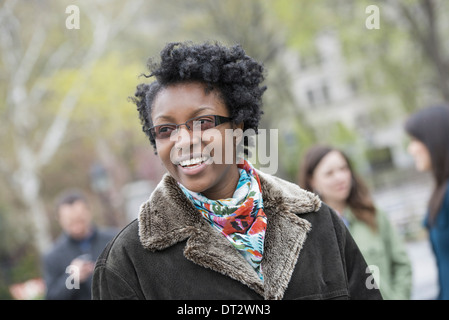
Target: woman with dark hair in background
x=216, y=229
x=429, y=146
x=327, y=172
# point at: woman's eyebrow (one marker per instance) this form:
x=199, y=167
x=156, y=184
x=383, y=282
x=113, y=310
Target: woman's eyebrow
x=200, y=110
x=164, y=117
x=170, y=119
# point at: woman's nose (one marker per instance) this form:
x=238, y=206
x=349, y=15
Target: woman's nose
x=341, y=176
x=186, y=138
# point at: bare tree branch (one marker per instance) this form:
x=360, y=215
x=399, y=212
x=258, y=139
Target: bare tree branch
x=31, y=55
x=426, y=33
x=103, y=32
x=58, y=128
x=130, y=10
x=8, y=36
x=54, y=63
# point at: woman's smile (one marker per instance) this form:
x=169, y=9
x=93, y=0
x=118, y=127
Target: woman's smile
x=194, y=165
x=186, y=155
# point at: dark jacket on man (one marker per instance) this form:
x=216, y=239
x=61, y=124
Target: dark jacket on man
x=58, y=279
x=171, y=252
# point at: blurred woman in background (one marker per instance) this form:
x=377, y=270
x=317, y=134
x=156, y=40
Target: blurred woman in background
x=429, y=146
x=327, y=172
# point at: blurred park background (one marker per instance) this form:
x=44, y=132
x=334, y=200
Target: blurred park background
x=341, y=72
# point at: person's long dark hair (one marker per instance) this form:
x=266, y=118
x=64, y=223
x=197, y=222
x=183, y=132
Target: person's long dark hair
x=359, y=199
x=431, y=126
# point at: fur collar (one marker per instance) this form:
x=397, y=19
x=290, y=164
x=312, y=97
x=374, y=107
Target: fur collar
x=168, y=217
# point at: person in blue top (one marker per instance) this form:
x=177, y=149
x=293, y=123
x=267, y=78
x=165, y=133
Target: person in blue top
x=428, y=129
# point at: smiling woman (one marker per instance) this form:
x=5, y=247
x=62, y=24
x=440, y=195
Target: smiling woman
x=215, y=227
x=180, y=103
x=328, y=172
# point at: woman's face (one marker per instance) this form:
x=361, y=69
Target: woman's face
x=332, y=178
x=177, y=104
x=420, y=154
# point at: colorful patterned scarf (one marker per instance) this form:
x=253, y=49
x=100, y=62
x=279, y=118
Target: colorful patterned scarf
x=241, y=218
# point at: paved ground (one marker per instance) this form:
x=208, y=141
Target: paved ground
x=424, y=270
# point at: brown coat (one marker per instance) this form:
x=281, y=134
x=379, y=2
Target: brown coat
x=171, y=252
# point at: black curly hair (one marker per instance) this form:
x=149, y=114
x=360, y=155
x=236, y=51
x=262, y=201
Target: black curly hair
x=236, y=77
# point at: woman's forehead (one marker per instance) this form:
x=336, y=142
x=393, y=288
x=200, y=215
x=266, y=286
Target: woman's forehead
x=186, y=100
x=332, y=159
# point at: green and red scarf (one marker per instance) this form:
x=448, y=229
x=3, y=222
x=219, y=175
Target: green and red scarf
x=241, y=218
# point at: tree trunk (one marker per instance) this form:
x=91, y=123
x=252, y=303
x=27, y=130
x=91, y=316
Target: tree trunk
x=27, y=184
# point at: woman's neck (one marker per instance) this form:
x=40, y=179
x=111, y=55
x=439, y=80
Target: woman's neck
x=338, y=206
x=226, y=189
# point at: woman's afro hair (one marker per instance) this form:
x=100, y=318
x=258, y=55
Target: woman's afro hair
x=236, y=77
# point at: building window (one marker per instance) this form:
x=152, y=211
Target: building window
x=311, y=98
x=354, y=85
x=380, y=158
x=325, y=92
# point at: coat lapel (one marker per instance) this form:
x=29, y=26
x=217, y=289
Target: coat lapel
x=168, y=217
x=286, y=231
x=210, y=249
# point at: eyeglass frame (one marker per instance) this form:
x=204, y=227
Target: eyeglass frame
x=217, y=121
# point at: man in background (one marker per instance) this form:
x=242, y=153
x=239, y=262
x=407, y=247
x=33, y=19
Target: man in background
x=68, y=265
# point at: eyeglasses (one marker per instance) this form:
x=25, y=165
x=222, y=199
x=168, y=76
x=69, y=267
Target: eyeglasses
x=164, y=131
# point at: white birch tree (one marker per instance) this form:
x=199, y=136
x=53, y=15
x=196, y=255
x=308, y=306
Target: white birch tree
x=26, y=32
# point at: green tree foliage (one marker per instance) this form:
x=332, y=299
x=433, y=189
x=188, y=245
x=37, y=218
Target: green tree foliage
x=404, y=57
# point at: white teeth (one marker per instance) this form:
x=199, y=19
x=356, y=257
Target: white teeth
x=194, y=161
